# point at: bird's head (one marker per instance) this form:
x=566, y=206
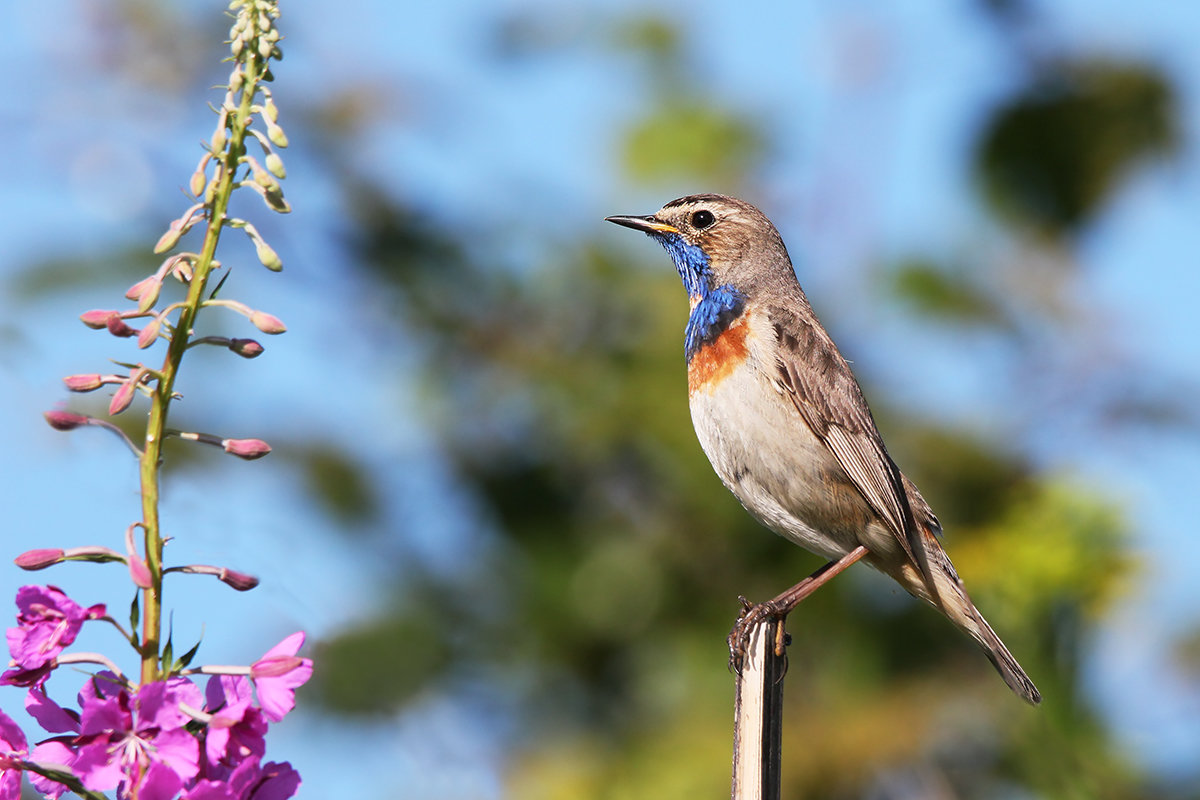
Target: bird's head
x=716, y=241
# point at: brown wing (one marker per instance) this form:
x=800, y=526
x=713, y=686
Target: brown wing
x=824, y=391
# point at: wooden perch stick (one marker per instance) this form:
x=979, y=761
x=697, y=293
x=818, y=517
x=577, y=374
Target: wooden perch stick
x=758, y=717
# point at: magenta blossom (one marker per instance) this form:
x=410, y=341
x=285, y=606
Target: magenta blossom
x=136, y=741
x=277, y=674
x=13, y=748
x=237, y=729
x=47, y=621
x=250, y=781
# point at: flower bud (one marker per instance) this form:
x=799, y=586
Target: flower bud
x=121, y=398
x=238, y=580
x=246, y=348
x=248, y=449
x=181, y=268
x=145, y=292
x=267, y=323
x=84, y=383
x=275, y=133
x=275, y=166
x=66, y=420
x=197, y=183
x=97, y=318
x=139, y=572
x=270, y=110
x=268, y=256
x=149, y=333
x=117, y=327
x=170, y=238
x=276, y=201
x=38, y=559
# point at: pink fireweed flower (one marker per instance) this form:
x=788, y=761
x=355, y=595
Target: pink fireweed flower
x=48, y=621
x=13, y=748
x=236, y=729
x=277, y=675
x=137, y=741
x=249, y=781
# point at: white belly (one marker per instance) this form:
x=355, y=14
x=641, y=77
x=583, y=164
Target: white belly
x=767, y=456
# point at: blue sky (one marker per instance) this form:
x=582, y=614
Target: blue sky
x=94, y=161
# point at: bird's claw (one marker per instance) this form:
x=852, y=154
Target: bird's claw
x=753, y=614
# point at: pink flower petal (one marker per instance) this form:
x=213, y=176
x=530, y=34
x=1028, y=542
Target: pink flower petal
x=12, y=738
x=49, y=714
x=53, y=754
x=279, y=782
x=159, y=783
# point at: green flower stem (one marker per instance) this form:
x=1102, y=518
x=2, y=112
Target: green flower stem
x=228, y=164
x=65, y=777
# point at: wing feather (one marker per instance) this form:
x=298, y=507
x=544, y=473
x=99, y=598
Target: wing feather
x=821, y=387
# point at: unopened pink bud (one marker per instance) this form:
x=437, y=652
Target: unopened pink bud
x=246, y=348
x=66, y=420
x=84, y=383
x=121, y=398
x=149, y=334
x=38, y=559
x=139, y=573
x=145, y=292
x=248, y=449
x=98, y=318
x=117, y=327
x=267, y=323
x=238, y=580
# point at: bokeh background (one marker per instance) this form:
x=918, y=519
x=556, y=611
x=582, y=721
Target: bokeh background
x=486, y=504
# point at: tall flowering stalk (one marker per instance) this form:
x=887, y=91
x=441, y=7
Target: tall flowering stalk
x=160, y=736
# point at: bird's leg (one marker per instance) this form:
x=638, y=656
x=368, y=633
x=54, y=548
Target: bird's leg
x=780, y=606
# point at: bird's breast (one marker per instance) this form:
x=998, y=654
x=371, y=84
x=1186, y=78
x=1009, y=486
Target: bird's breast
x=716, y=359
x=715, y=341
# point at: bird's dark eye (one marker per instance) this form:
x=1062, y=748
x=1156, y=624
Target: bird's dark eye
x=702, y=219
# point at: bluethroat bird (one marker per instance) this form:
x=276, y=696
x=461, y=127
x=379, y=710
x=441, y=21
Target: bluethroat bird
x=785, y=424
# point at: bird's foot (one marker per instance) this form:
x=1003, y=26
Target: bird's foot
x=752, y=615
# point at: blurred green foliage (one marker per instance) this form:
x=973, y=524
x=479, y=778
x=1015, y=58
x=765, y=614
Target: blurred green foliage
x=1054, y=153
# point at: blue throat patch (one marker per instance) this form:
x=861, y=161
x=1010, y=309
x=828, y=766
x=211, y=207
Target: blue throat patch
x=715, y=312
x=717, y=307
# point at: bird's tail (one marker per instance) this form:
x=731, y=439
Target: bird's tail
x=951, y=597
x=1003, y=661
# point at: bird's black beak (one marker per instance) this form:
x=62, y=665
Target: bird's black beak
x=648, y=224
